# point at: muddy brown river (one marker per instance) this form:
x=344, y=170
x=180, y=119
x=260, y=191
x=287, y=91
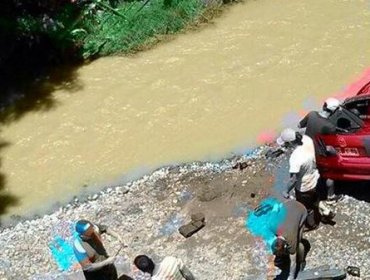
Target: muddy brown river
x=201, y=96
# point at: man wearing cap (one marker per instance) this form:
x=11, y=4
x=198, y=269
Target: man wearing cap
x=304, y=175
x=90, y=252
x=318, y=123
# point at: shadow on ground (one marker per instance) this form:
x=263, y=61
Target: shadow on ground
x=6, y=199
x=358, y=190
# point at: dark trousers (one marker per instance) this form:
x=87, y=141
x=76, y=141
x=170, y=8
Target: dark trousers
x=284, y=262
x=310, y=200
x=325, y=188
x=108, y=272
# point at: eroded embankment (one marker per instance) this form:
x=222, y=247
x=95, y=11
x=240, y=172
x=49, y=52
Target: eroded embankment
x=148, y=212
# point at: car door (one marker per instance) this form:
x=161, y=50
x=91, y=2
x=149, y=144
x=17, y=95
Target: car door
x=350, y=145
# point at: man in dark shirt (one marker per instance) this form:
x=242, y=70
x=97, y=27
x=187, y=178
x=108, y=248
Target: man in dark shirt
x=90, y=252
x=318, y=123
x=288, y=240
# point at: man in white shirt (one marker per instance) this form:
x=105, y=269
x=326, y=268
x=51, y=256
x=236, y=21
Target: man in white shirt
x=304, y=175
x=170, y=268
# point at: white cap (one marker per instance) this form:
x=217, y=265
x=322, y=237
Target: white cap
x=332, y=104
x=287, y=135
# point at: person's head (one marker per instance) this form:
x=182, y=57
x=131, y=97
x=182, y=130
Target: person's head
x=279, y=246
x=144, y=263
x=289, y=137
x=84, y=228
x=125, y=277
x=330, y=105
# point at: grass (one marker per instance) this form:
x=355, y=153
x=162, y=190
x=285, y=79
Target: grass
x=132, y=25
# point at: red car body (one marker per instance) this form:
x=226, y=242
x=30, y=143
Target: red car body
x=349, y=158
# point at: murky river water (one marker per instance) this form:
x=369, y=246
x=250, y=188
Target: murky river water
x=202, y=95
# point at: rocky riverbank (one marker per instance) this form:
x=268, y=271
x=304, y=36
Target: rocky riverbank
x=148, y=212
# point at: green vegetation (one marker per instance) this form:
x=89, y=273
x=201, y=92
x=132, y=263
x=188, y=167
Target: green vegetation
x=39, y=35
x=133, y=25
x=98, y=29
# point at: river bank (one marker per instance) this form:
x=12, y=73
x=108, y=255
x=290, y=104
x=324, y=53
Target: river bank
x=106, y=32
x=67, y=34
x=148, y=212
x=193, y=98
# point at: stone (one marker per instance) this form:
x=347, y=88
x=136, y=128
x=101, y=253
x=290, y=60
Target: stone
x=191, y=228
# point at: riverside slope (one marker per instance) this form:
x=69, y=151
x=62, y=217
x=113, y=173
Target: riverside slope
x=147, y=213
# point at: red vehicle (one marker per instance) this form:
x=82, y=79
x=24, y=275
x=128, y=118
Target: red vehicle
x=346, y=154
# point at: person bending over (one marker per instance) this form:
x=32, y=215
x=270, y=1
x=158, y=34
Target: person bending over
x=288, y=245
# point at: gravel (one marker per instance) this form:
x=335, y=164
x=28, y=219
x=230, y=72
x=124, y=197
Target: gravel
x=148, y=212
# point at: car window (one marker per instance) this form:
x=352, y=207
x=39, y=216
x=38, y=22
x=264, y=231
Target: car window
x=345, y=119
x=360, y=108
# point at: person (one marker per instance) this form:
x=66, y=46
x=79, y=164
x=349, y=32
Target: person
x=318, y=123
x=304, y=176
x=288, y=245
x=170, y=268
x=91, y=253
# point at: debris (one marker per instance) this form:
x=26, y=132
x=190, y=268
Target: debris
x=322, y=273
x=274, y=153
x=191, y=228
x=241, y=165
x=353, y=270
x=196, y=224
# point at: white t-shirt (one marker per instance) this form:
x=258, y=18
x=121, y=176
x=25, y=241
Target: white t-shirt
x=168, y=269
x=303, y=162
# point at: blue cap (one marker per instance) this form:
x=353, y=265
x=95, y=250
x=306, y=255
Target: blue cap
x=82, y=226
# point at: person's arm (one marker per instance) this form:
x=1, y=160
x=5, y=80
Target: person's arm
x=303, y=122
x=109, y=231
x=115, y=235
x=291, y=184
x=186, y=273
x=89, y=266
x=291, y=252
x=294, y=168
x=294, y=269
x=84, y=260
